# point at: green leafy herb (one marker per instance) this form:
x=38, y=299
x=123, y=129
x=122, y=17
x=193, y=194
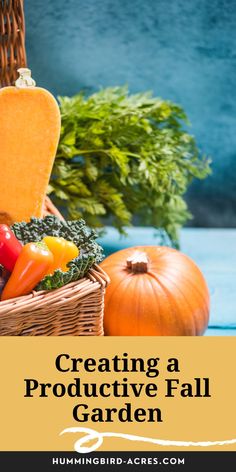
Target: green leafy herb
x=75, y=231
x=122, y=156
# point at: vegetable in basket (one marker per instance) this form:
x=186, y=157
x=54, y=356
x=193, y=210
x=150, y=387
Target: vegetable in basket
x=77, y=232
x=63, y=252
x=54, y=253
x=30, y=268
x=10, y=248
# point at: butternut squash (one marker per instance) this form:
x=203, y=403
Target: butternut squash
x=29, y=134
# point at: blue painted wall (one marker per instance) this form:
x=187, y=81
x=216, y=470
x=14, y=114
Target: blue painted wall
x=183, y=50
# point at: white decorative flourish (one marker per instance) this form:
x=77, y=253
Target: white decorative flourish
x=91, y=434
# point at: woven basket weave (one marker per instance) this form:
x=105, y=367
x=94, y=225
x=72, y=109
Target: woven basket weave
x=73, y=310
x=77, y=308
x=12, y=40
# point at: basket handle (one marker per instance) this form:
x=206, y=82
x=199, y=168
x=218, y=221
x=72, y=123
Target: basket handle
x=98, y=274
x=50, y=209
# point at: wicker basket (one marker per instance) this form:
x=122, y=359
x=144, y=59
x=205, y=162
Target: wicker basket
x=73, y=310
x=77, y=308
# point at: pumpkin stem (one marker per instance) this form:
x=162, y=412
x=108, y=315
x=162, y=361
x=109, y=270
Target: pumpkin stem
x=138, y=262
x=25, y=80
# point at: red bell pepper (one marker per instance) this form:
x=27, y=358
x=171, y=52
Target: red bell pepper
x=10, y=248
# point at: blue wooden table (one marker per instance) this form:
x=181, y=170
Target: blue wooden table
x=214, y=250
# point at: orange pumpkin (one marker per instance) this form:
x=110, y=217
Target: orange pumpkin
x=154, y=291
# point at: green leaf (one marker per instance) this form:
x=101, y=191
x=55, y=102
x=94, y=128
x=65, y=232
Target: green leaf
x=69, y=138
x=125, y=157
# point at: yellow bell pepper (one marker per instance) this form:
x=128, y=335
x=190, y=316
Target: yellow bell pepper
x=63, y=251
x=71, y=252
